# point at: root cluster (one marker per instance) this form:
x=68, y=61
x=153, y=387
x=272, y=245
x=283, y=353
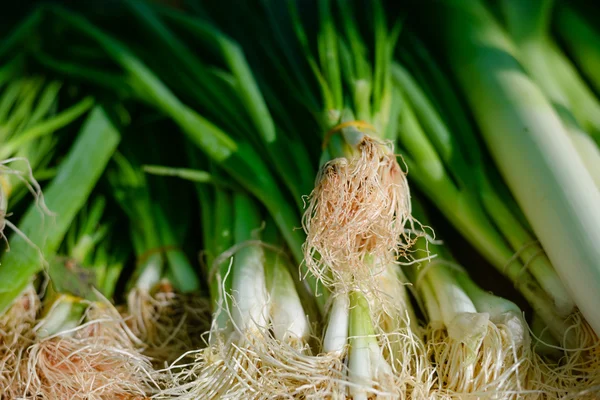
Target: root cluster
x=16, y=335
x=497, y=367
x=356, y=212
x=167, y=323
x=97, y=360
x=576, y=374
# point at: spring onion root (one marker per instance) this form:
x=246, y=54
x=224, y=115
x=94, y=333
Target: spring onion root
x=356, y=212
x=168, y=323
x=98, y=359
x=16, y=335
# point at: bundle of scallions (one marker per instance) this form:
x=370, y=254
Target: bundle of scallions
x=300, y=199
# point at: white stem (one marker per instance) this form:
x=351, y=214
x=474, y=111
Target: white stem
x=287, y=314
x=463, y=323
x=65, y=314
x=336, y=334
x=366, y=364
x=452, y=299
x=392, y=290
x=151, y=274
x=532, y=149
x=588, y=151
x=502, y=312
x=434, y=314
x=249, y=289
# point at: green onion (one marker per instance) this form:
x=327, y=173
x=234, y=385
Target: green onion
x=464, y=189
x=249, y=327
x=164, y=283
x=531, y=147
x=366, y=367
x=93, y=352
x=238, y=159
x=575, y=103
x=479, y=342
x=359, y=206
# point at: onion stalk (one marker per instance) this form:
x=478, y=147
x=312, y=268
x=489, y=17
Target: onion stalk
x=524, y=133
x=164, y=307
x=238, y=158
x=465, y=190
x=253, y=334
x=374, y=347
x=575, y=103
x=81, y=171
x=479, y=342
x=28, y=120
x=360, y=204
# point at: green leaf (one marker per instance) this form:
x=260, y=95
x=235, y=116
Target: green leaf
x=65, y=196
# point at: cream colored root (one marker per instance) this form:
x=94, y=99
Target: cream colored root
x=306, y=377
x=401, y=337
x=255, y=365
x=577, y=374
x=357, y=211
x=291, y=371
x=498, y=369
x=168, y=323
x=405, y=351
x=225, y=370
x=97, y=360
x=16, y=335
x=413, y=374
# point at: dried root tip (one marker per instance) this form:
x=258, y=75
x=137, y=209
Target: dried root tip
x=16, y=335
x=576, y=375
x=169, y=324
x=497, y=366
x=97, y=360
x=357, y=211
